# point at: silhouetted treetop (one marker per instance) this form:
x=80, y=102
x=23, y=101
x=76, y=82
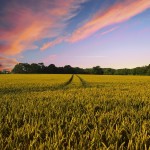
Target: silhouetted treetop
x=25, y=68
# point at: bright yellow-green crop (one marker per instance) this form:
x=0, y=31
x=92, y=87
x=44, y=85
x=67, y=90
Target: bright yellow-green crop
x=29, y=83
x=88, y=112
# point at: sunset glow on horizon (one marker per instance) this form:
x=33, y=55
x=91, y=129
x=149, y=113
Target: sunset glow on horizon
x=83, y=33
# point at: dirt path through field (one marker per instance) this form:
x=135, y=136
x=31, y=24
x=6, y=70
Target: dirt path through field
x=83, y=82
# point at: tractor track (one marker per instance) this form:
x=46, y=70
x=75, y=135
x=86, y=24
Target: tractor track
x=51, y=88
x=69, y=81
x=61, y=86
x=83, y=82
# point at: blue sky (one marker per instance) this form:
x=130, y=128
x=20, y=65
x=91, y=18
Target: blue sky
x=83, y=33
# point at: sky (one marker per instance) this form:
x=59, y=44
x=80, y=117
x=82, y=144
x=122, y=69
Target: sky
x=80, y=33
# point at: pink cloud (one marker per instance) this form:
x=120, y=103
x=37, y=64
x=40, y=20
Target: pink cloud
x=49, y=59
x=118, y=13
x=52, y=43
x=27, y=24
x=7, y=63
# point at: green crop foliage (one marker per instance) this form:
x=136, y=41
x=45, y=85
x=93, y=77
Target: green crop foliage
x=74, y=112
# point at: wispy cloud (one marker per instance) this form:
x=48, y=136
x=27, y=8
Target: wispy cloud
x=49, y=59
x=52, y=43
x=7, y=63
x=87, y=56
x=28, y=21
x=110, y=30
x=119, y=12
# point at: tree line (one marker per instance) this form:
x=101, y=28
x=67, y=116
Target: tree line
x=40, y=68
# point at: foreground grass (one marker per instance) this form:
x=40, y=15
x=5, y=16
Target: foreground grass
x=89, y=112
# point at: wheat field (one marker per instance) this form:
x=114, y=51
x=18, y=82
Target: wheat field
x=74, y=112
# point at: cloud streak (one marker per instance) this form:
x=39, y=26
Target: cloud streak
x=30, y=21
x=22, y=23
x=108, y=31
x=117, y=13
x=49, y=59
x=7, y=63
x=52, y=43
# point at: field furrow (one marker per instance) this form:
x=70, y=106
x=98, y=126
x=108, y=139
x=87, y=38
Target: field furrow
x=83, y=82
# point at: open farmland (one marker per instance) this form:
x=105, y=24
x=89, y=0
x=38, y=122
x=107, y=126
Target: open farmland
x=86, y=112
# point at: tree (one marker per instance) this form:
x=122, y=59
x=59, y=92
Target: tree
x=41, y=68
x=52, y=68
x=109, y=71
x=35, y=68
x=19, y=68
x=148, y=72
x=122, y=72
x=68, y=69
x=78, y=70
x=98, y=70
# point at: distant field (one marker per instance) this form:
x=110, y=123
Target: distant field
x=86, y=112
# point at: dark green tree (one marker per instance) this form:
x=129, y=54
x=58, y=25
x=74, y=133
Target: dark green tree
x=109, y=71
x=68, y=69
x=19, y=68
x=98, y=70
x=52, y=68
